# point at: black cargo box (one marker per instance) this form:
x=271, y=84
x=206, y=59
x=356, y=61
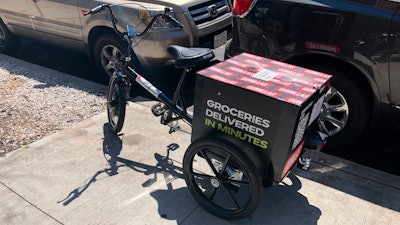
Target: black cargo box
x=263, y=106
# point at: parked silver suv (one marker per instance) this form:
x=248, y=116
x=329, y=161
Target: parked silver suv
x=207, y=23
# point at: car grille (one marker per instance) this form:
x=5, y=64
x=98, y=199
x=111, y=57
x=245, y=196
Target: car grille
x=209, y=11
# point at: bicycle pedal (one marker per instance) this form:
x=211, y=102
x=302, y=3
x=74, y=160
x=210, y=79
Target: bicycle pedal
x=173, y=146
x=158, y=109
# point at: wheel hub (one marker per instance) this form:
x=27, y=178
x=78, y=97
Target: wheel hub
x=215, y=182
x=114, y=60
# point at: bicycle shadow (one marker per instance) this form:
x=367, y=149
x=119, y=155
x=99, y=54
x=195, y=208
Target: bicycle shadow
x=282, y=204
x=112, y=147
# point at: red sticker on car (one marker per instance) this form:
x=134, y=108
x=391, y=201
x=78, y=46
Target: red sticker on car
x=323, y=47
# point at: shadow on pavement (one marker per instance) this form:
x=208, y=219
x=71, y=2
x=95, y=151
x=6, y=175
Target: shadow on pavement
x=58, y=58
x=281, y=204
x=112, y=146
x=284, y=204
x=353, y=183
x=276, y=200
x=379, y=149
x=47, y=78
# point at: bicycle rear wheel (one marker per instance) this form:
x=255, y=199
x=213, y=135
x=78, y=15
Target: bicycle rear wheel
x=222, y=178
x=116, y=105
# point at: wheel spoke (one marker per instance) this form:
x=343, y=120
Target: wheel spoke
x=225, y=163
x=212, y=194
x=230, y=196
x=244, y=183
x=338, y=108
x=330, y=94
x=109, y=66
x=202, y=175
x=203, y=153
x=115, y=52
x=107, y=55
x=324, y=128
x=335, y=122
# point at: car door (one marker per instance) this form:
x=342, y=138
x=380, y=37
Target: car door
x=16, y=15
x=56, y=17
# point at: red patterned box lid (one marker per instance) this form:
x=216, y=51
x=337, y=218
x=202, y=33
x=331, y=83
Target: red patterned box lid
x=286, y=82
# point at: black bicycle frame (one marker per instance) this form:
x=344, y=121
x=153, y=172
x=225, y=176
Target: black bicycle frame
x=171, y=104
x=132, y=75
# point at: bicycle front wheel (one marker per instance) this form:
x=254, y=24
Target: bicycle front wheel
x=116, y=105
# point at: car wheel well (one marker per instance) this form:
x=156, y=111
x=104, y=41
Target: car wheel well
x=94, y=34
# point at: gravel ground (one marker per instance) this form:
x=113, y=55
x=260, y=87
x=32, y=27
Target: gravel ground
x=34, y=104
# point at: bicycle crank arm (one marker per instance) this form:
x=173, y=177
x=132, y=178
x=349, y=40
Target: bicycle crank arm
x=162, y=97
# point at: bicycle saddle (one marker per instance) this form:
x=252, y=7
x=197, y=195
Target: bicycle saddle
x=190, y=57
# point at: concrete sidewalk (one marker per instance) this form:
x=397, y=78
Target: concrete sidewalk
x=86, y=175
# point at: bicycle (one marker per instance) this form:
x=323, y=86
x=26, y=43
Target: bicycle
x=232, y=185
x=124, y=76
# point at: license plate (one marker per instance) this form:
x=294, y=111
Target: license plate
x=220, y=39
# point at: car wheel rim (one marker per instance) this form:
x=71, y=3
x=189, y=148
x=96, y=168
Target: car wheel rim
x=334, y=112
x=110, y=56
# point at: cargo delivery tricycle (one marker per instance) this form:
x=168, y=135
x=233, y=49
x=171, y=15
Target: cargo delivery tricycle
x=253, y=118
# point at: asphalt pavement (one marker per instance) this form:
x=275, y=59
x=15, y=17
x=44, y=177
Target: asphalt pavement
x=86, y=175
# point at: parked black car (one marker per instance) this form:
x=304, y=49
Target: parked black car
x=357, y=41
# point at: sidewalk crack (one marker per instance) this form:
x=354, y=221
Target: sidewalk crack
x=26, y=200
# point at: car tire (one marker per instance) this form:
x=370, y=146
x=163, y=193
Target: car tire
x=9, y=43
x=107, y=50
x=346, y=102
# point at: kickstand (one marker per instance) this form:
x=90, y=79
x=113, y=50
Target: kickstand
x=173, y=126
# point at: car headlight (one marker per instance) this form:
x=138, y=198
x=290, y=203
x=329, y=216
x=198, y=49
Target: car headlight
x=146, y=15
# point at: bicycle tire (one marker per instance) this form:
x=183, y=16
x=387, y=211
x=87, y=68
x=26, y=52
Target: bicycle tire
x=232, y=188
x=116, y=105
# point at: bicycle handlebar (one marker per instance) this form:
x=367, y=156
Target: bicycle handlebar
x=153, y=20
x=96, y=9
